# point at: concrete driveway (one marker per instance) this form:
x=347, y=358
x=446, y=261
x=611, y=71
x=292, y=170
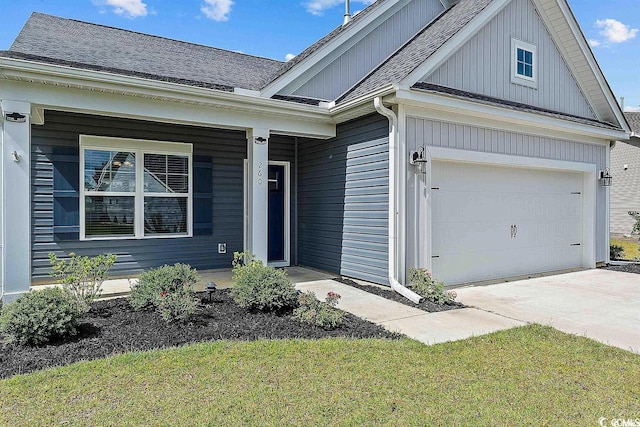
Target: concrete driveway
x=599, y=304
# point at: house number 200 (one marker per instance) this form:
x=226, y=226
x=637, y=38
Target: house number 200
x=260, y=166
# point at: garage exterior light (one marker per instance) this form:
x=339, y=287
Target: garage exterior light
x=605, y=177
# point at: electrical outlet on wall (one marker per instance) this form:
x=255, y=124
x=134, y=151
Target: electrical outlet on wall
x=222, y=248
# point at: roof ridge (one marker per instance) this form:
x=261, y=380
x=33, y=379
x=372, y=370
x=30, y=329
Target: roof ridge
x=110, y=27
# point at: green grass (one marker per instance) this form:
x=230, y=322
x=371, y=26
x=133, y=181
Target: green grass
x=532, y=375
x=631, y=248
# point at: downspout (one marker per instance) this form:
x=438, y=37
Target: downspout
x=393, y=211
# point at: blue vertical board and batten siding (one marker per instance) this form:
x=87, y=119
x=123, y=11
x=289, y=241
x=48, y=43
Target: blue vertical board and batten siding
x=218, y=157
x=483, y=64
x=424, y=132
x=343, y=199
x=350, y=67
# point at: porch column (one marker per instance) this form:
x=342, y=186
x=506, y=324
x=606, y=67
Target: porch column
x=15, y=199
x=257, y=206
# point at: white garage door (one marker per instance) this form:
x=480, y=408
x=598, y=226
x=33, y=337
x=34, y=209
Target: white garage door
x=491, y=222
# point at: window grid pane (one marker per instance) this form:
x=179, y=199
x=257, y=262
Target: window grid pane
x=109, y=216
x=109, y=171
x=164, y=173
x=524, y=63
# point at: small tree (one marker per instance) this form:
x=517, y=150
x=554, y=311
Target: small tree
x=82, y=276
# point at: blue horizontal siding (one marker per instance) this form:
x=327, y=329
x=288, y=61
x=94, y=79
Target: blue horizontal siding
x=343, y=194
x=55, y=148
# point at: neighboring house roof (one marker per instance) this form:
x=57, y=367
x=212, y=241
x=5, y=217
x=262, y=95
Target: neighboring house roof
x=418, y=49
x=634, y=121
x=69, y=42
x=497, y=102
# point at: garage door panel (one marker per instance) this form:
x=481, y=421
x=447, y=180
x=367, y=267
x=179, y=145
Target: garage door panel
x=475, y=206
x=470, y=236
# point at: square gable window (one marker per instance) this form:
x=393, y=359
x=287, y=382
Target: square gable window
x=524, y=64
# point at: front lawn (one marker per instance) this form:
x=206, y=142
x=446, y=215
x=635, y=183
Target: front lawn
x=532, y=375
x=630, y=246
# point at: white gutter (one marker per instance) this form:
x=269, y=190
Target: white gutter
x=393, y=239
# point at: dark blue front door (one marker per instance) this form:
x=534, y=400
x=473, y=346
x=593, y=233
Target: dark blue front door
x=277, y=208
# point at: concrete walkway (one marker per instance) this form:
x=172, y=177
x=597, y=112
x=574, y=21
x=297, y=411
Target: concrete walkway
x=599, y=304
x=429, y=328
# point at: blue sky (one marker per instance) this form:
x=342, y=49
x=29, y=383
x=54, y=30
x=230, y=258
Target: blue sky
x=277, y=28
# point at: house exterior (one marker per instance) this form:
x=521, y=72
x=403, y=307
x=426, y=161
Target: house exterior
x=465, y=137
x=625, y=169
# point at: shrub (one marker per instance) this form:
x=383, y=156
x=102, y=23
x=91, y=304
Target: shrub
x=616, y=252
x=315, y=312
x=168, y=279
x=37, y=317
x=82, y=276
x=177, y=306
x=429, y=288
x=259, y=287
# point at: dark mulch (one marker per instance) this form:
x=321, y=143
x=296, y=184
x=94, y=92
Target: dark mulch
x=628, y=268
x=392, y=295
x=112, y=327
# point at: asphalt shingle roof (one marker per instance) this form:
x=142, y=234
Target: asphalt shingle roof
x=60, y=41
x=634, y=121
x=418, y=49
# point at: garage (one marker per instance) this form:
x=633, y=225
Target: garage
x=494, y=221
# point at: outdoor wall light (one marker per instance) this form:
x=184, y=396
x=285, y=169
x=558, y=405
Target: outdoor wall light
x=605, y=177
x=15, y=156
x=416, y=158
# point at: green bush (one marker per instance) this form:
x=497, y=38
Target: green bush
x=177, y=306
x=168, y=279
x=82, y=276
x=616, y=252
x=259, y=287
x=429, y=288
x=315, y=312
x=168, y=290
x=37, y=317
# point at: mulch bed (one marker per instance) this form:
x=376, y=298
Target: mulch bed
x=628, y=268
x=392, y=295
x=113, y=327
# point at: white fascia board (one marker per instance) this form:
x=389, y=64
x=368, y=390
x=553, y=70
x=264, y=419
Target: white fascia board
x=48, y=78
x=496, y=114
x=588, y=55
x=454, y=43
x=335, y=47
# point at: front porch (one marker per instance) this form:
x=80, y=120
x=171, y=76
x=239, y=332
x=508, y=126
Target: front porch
x=221, y=277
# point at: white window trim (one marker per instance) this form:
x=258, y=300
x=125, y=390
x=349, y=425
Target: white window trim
x=139, y=147
x=517, y=78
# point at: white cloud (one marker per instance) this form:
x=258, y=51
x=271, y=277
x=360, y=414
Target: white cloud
x=289, y=56
x=632, y=109
x=317, y=7
x=615, y=31
x=217, y=10
x=128, y=8
x=594, y=43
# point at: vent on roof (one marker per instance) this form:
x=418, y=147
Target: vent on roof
x=347, y=12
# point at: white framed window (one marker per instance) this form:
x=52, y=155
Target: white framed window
x=524, y=63
x=135, y=189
